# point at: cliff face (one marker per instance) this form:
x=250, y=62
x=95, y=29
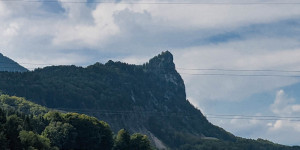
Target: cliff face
x=6, y=64
x=148, y=98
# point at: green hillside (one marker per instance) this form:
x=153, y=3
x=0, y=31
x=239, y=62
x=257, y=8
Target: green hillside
x=28, y=126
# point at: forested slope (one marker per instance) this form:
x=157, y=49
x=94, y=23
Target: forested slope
x=148, y=98
x=7, y=64
x=25, y=125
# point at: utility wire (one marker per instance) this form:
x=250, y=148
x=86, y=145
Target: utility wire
x=212, y=116
x=180, y=68
x=178, y=113
x=260, y=119
x=200, y=69
x=241, y=75
x=249, y=116
x=157, y=3
x=27, y=63
x=206, y=74
x=238, y=70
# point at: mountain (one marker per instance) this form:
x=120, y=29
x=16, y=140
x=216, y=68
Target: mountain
x=148, y=99
x=7, y=64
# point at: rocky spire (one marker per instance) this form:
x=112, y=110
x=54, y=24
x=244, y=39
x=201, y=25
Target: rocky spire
x=162, y=63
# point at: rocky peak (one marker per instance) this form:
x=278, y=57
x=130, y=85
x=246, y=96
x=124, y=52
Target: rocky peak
x=163, y=66
x=162, y=63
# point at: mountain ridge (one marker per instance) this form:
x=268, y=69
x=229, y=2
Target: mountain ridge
x=7, y=64
x=148, y=99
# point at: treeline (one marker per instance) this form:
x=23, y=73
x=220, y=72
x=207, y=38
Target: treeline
x=35, y=129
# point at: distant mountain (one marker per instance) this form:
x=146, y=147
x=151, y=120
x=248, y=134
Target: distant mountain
x=148, y=99
x=7, y=64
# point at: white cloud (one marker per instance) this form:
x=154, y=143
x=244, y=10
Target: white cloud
x=134, y=60
x=220, y=16
x=95, y=33
x=284, y=130
x=82, y=26
x=91, y=33
x=243, y=55
x=247, y=128
x=279, y=131
x=3, y=10
x=284, y=106
x=11, y=30
x=285, y=125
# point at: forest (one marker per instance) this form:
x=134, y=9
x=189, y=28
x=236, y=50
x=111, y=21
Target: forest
x=28, y=126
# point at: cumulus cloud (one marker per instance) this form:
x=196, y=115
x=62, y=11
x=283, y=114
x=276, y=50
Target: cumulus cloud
x=219, y=16
x=281, y=129
x=244, y=127
x=287, y=129
x=101, y=26
x=283, y=105
x=86, y=27
x=3, y=10
x=237, y=57
x=11, y=30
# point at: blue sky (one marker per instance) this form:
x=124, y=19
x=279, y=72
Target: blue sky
x=226, y=36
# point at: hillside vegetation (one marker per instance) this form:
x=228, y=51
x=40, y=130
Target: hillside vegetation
x=25, y=125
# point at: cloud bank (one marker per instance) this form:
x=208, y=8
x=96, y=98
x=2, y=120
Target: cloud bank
x=281, y=129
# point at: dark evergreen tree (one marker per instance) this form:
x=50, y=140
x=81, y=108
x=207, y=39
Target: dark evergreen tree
x=139, y=142
x=3, y=140
x=12, y=128
x=122, y=141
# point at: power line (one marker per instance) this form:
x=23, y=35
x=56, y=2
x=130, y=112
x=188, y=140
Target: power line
x=208, y=74
x=200, y=69
x=27, y=63
x=260, y=119
x=177, y=113
x=180, y=68
x=212, y=116
x=238, y=70
x=157, y=3
x=241, y=75
x=249, y=116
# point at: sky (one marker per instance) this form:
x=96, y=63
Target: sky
x=257, y=36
